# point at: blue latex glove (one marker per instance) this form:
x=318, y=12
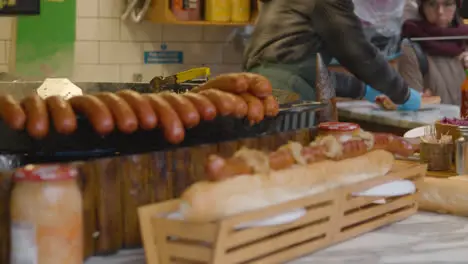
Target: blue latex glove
x=371, y=94
x=413, y=102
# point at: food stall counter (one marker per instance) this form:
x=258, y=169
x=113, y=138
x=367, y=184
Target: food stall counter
x=422, y=237
x=373, y=118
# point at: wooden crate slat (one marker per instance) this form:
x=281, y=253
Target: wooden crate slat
x=251, y=234
x=205, y=232
x=277, y=243
x=388, y=219
x=377, y=210
x=323, y=199
x=295, y=252
x=188, y=251
x=360, y=201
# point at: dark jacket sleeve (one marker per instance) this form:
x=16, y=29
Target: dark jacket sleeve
x=343, y=37
x=347, y=85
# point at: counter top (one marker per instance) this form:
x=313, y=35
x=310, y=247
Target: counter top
x=423, y=238
x=366, y=111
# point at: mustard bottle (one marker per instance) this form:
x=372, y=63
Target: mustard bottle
x=240, y=10
x=218, y=10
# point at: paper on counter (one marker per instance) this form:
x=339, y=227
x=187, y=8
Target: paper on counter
x=391, y=189
x=281, y=219
x=58, y=86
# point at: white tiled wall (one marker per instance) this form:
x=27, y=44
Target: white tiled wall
x=108, y=49
x=5, y=42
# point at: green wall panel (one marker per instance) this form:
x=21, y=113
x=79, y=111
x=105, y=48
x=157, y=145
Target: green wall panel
x=45, y=43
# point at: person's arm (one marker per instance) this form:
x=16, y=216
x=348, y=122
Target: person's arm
x=408, y=66
x=347, y=86
x=344, y=39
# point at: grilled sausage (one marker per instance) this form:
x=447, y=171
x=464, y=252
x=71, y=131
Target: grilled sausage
x=271, y=106
x=37, y=117
x=205, y=107
x=96, y=111
x=241, y=108
x=394, y=144
x=147, y=118
x=225, y=104
x=256, y=111
x=168, y=119
x=123, y=115
x=232, y=83
x=11, y=112
x=187, y=112
x=62, y=115
x=259, y=85
x=217, y=168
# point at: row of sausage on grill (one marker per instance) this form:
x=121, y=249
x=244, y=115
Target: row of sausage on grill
x=242, y=95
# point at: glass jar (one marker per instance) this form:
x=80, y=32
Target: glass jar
x=343, y=131
x=46, y=216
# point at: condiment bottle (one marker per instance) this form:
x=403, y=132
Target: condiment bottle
x=464, y=97
x=46, y=216
x=186, y=10
x=218, y=10
x=343, y=131
x=240, y=10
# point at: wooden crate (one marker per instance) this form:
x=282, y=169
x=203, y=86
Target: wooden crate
x=331, y=217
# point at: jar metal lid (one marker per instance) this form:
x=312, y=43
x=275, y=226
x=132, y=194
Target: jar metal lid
x=46, y=172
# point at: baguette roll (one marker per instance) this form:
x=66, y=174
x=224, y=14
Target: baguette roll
x=208, y=201
x=447, y=196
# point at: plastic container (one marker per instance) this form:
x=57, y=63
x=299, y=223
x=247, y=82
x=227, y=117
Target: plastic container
x=186, y=10
x=464, y=97
x=218, y=10
x=438, y=156
x=343, y=131
x=240, y=10
x=46, y=216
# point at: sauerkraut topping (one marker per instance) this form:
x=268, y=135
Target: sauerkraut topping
x=367, y=137
x=334, y=148
x=295, y=148
x=255, y=159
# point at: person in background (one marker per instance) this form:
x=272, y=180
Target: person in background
x=446, y=60
x=290, y=33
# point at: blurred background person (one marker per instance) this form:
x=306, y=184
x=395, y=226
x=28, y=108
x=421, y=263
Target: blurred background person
x=434, y=67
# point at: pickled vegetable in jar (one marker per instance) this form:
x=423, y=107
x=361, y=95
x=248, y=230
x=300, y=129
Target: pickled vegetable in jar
x=342, y=130
x=46, y=216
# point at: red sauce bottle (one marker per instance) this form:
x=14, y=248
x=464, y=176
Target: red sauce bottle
x=187, y=10
x=464, y=97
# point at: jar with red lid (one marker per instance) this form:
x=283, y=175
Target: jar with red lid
x=46, y=216
x=342, y=130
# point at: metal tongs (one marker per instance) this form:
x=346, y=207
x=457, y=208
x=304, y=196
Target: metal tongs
x=176, y=82
x=440, y=38
x=291, y=102
x=301, y=106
